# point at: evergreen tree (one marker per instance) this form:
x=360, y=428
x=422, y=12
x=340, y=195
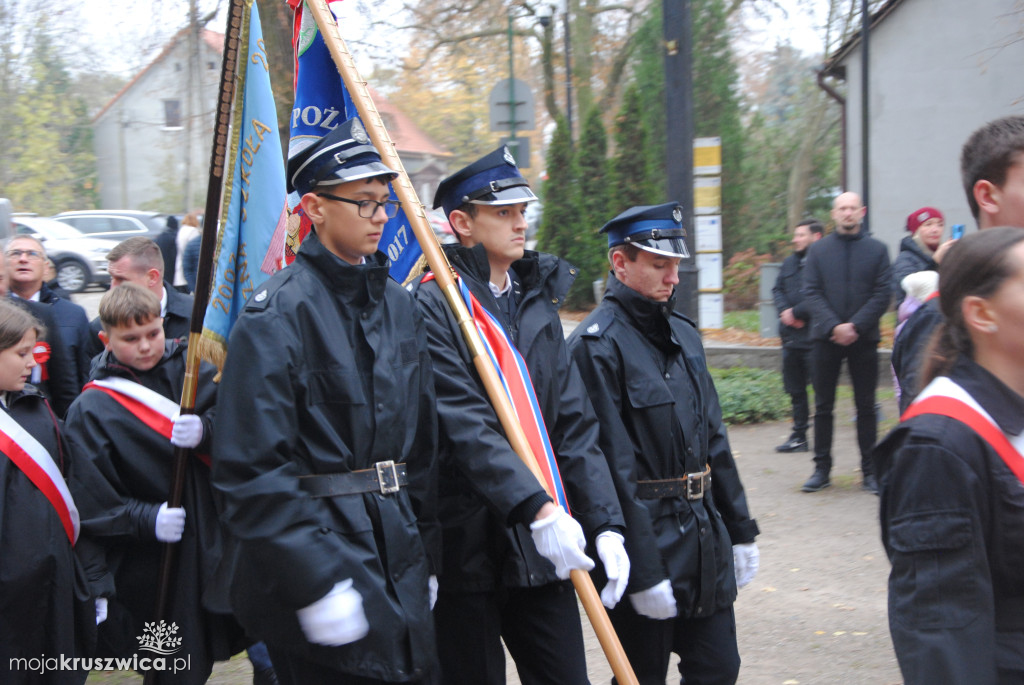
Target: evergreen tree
x=561, y=213
x=716, y=105
x=629, y=185
x=649, y=78
x=588, y=246
x=716, y=109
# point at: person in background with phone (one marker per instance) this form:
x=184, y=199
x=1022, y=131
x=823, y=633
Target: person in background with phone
x=917, y=250
x=992, y=171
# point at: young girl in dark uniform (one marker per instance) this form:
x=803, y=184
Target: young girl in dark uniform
x=952, y=499
x=46, y=609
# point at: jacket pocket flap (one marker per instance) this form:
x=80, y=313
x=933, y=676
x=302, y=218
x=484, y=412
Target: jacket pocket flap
x=931, y=531
x=644, y=391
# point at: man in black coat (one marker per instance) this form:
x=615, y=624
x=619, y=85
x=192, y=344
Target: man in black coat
x=326, y=442
x=689, y=532
x=56, y=374
x=26, y=280
x=847, y=284
x=794, y=329
x=139, y=260
x=508, y=550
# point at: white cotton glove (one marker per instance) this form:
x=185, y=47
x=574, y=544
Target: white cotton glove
x=746, y=559
x=616, y=566
x=656, y=602
x=560, y=540
x=101, y=610
x=335, y=619
x=187, y=430
x=170, y=523
x=432, y=591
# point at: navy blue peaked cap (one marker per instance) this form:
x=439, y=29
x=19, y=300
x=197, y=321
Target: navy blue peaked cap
x=653, y=228
x=494, y=179
x=345, y=154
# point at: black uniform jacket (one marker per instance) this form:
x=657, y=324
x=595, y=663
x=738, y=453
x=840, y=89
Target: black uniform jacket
x=136, y=462
x=911, y=259
x=46, y=607
x=787, y=293
x=645, y=371
x=486, y=542
x=847, y=279
x=952, y=517
x=328, y=372
x=177, y=319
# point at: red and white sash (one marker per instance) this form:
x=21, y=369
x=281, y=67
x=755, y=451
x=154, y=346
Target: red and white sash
x=515, y=378
x=153, y=409
x=38, y=466
x=944, y=397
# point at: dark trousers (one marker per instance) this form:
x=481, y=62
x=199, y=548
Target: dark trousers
x=862, y=361
x=796, y=374
x=540, y=626
x=294, y=670
x=707, y=649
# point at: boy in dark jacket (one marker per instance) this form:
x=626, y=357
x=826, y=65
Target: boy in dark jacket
x=326, y=442
x=127, y=422
x=500, y=581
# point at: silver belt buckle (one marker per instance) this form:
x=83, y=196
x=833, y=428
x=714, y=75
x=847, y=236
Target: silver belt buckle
x=695, y=486
x=387, y=476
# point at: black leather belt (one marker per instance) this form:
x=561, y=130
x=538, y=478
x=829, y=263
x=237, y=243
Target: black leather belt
x=692, y=486
x=386, y=477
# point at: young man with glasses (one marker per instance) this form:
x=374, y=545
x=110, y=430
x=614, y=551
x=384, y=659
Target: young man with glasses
x=326, y=442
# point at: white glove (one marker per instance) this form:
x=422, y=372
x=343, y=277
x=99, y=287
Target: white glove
x=746, y=559
x=432, y=591
x=656, y=602
x=335, y=619
x=560, y=540
x=101, y=610
x=170, y=523
x=616, y=566
x=187, y=430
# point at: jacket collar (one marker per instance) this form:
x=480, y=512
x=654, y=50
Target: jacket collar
x=106, y=364
x=357, y=284
x=652, y=318
x=1004, y=405
x=535, y=270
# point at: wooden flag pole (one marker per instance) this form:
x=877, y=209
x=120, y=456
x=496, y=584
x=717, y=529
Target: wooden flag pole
x=443, y=274
x=218, y=154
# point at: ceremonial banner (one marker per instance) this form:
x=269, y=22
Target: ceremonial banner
x=254, y=196
x=321, y=103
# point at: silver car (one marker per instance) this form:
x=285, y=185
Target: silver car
x=80, y=261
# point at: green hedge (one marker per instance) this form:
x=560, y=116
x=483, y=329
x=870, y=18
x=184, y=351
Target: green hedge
x=751, y=395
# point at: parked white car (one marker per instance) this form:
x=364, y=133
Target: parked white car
x=80, y=261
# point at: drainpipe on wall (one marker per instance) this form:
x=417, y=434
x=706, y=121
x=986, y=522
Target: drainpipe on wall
x=834, y=94
x=865, y=109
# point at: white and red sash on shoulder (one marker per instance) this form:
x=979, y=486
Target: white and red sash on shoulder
x=148, y=406
x=38, y=466
x=944, y=397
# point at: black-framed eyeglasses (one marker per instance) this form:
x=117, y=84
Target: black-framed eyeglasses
x=367, y=208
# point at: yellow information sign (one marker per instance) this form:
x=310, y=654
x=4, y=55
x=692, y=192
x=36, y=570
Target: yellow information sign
x=707, y=195
x=707, y=156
